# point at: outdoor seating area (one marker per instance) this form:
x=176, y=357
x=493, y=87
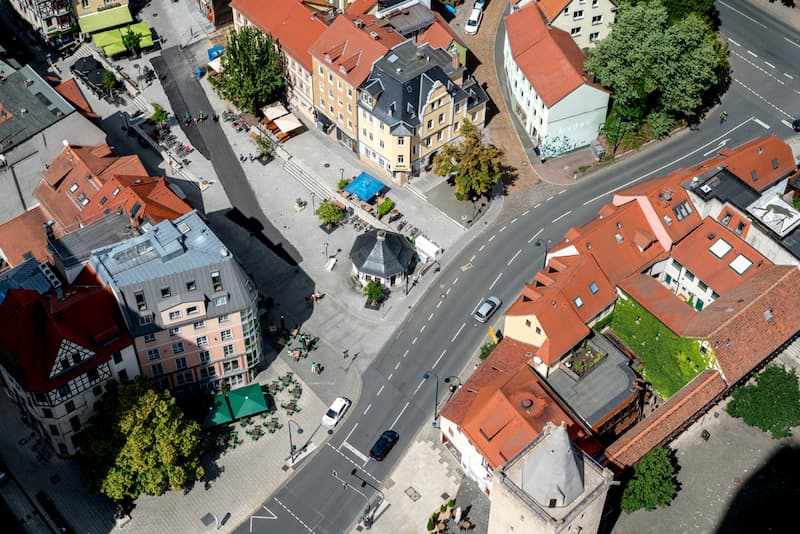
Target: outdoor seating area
x=298, y=344
x=279, y=123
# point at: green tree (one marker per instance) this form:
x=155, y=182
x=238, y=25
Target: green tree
x=139, y=442
x=679, y=9
x=771, y=404
x=486, y=350
x=653, y=483
x=264, y=145
x=329, y=213
x=109, y=80
x=252, y=73
x=652, y=65
x=132, y=41
x=373, y=291
x=160, y=115
x=477, y=167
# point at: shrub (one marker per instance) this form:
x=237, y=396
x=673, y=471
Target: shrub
x=373, y=291
x=443, y=507
x=660, y=123
x=451, y=503
x=653, y=483
x=342, y=184
x=431, y=523
x=329, y=213
x=771, y=404
x=486, y=350
x=109, y=80
x=385, y=207
x=160, y=114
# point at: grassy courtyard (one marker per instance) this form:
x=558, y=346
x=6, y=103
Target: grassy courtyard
x=670, y=362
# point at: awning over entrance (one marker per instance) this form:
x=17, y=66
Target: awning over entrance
x=245, y=401
x=364, y=187
x=109, y=18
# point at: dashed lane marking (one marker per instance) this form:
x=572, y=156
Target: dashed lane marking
x=561, y=216
x=768, y=64
x=438, y=359
x=562, y=191
x=788, y=75
x=455, y=336
x=421, y=330
x=514, y=220
x=752, y=53
x=482, y=247
x=495, y=281
x=537, y=205
x=751, y=19
x=405, y=353
x=367, y=409
x=534, y=236
x=792, y=42
x=472, y=259
x=455, y=281
x=514, y=258
x=389, y=378
x=525, y=212
x=396, y=366
x=378, y=394
x=414, y=341
x=492, y=238
x=419, y=386
x=394, y=424
x=290, y=513
x=431, y=315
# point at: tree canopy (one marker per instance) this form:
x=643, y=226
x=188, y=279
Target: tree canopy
x=252, y=73
x=771, y=404
x=139, y=442
x=477, y=166
x=653, y=483
x=373, y=291
x=653, y=65
x=132, y=41
x=678, y=9
x=329, y=213
x=160, y=114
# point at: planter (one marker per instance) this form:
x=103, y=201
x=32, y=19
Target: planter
x=373, y=305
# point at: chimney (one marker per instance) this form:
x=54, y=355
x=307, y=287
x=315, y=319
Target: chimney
x=455, y=60
x=381, y=235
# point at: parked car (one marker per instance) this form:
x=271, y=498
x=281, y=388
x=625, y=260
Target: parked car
x=384, y=444
x=335, y=412
x=480, y=4
x=474, y=20
x=796, y=124
x=486, y=309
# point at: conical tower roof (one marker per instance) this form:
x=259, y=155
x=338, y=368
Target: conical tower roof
x=553, y=474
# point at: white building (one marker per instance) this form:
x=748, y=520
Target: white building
x=587, y=21
x=560, y=109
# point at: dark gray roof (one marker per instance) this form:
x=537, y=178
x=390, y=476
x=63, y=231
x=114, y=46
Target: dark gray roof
x=31, y=106
x=401, y=81
x=27, y=275
x=381, y=253
x=411, y=20
x=601, y=390
x=170, y=255
x=75, y=247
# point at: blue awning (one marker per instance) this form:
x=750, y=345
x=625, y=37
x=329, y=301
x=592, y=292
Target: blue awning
x=364, y=187
x=214, y=52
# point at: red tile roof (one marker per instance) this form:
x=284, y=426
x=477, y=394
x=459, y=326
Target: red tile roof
x=25, y=234
x=440, y=34
x=619, y=239
x=693, y=252
x=759, y=163
x=666, y=420
x=551, y=8
x=35, y=326
x=73, y=94
x=750, y=322
x=350, y=50
x=294, y=24
x=659, y=301
x=359, y=7
x=547, y=56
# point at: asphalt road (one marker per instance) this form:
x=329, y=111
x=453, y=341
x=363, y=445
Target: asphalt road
x=440, y=336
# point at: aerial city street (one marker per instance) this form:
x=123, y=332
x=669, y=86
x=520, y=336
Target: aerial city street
x=401, y=266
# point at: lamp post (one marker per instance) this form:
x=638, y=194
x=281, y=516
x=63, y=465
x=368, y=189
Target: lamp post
x=291, y=444
x=426, y=376
x=313, y=210
x=345, y=484
x=452, y=387
x=546, y=244
x=372, y=507
x=628, y=118
x=474, y=206
x=341, y=174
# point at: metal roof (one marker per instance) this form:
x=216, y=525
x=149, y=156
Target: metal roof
x=381, y=253
x=24, y=276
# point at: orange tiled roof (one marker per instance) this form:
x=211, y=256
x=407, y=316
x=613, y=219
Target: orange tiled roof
x=24, y=234
x=292, y=23
x=551, y=8
x=360, y=7
x=752, y=320
x=440, y=34
x=759, y=163
x=351, y=50
x=72, y=93
x=615, y=239
x=694, y=253
x=666, y=206
x=659, y=301
x=666, y=420
x=547, y=56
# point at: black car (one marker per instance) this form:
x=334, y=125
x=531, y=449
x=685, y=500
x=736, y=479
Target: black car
x=796, y=124
x=383, y=445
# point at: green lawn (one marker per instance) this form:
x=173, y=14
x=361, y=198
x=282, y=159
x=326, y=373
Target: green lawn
x=670, y=362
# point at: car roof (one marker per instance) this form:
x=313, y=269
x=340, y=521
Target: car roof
x=475, y=12
x=339, y=402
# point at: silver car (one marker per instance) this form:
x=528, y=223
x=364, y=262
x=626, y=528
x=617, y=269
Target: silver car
x=486, y=309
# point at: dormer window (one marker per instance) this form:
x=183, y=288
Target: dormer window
x=73, y=188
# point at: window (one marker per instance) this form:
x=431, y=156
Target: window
x=165, y=292
x=145, y=320
x=595, y=36
x=690, y=275
x=226, y=335
x=153, y=354
x=538, y=330
x=231, y=366
x=427, y=141
x=117, y=357
x=54, y=430
x=703, y=286
x=330, y=77
x=321, y=71
x=191, y=286
x=180, y=363
x=593, y=288
x=458, y=107
x=103, y=201
x=184, y=378
x=216, y=279
x=205, y=356
x=221, y=301
x=381, y=143
x=227, y=350
x=595, y=3
x=83, y=199
x=597, y=19
x=224, y=318
x=726, y=218
x=93, y=375
x=123, y=375
x=578, y=302
x=177, y=347
x=157, y=369
x=739, y=227
x=441, y=118
x=141, y=304
x=149, y=338
x=430, y=124
x=528, y=323
x=349, y=124
x=191, y=310
x=174, y=315
x=65, y=390
x=202, y=341
x=174, y=331
x=439, y=135
x=575, y=31
x=350, y=94
x=455, y=127
x=578, y=15
x=401, y=159
x=349, y=108
x=321, y=102
x=199, y=325
x=47, y=412
x=401, y=140
x=73, y=188
x=116, y=192
x=208, y=372
x=84, y=4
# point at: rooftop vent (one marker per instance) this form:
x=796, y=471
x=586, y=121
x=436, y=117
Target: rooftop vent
x=374, y=35
x=666, y=195
x=224, y=252
x=526, y=404
x=359, y=23
x=28, y=82
x=381, y=235
x=711, y=236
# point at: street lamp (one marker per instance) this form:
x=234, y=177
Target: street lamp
x=546, y=244
x=426, y=376
x=628, y=118
x=341, y=174
x=291, y=444
x=345, y=484
x=313, y=210
x=453, y=387
x=373, y=507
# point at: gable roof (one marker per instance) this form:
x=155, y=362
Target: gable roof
x=36, y=328
x=547, y=56
x=440, y=34
x=70, y=90
x=752, y=320
x=293, y=24
x=350, y=45
x=25, y=235
x=662, y=303
x=552, y=8
x=759, y=163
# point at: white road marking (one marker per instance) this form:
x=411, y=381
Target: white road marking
x=405, y=353
x=734, y=42
x=482, y=247
x=438, y=359
x=355, y=451
x=537, y=205
x=378, y=394
x=438, y=304
x=551, y=197
x=751, y=19
x=791, y=42
x=431, y=315
x=562, y=191
x=419, y=386
x=525, y=212
x=768, y=64
x=455, y=281
x=343, y=455
x=394, y=424
x=421, y=330
x=396, y=366
x=513, y=220
x=367, y=410
x=414, y=341
x=534, y=236
x=455, y=336
x=515, y=257
x=389, y=378
x=472, y=258
x=351, y=432
x=492, y=238
x=762, y=124
x=495, y=281
x=290, y=513
x=448, y=291
x=788, y=75
x=561, y=216
x=752, y=53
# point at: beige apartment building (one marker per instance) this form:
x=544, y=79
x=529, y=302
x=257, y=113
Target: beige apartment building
x=413, y=103
x=586, y=21
x=190, y=307
x=341, y=60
